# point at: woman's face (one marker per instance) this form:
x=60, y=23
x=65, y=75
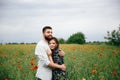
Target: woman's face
x=52, y=44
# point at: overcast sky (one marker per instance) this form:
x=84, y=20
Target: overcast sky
x=23, y=20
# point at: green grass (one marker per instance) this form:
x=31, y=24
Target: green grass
x=84, y=62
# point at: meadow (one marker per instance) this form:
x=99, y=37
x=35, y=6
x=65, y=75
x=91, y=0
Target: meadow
x=84, y=62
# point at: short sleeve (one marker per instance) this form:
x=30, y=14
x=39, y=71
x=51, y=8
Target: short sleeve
x=40, y=51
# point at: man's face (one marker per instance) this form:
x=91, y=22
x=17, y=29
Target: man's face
x=47, y=34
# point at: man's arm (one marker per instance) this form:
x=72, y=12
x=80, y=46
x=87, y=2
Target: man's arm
x=41, y=53
x=53, y=65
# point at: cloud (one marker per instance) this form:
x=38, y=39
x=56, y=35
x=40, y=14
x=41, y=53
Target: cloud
x=27, y=17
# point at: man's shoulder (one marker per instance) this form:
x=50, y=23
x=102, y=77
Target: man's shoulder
x=41, y=43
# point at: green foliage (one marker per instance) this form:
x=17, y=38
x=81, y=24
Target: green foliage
x=83, y=62
x=114, y=37
x=92, y=62
x=77, y=38
x=61, y=41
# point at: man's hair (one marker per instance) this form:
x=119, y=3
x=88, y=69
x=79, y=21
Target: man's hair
x=46, y=27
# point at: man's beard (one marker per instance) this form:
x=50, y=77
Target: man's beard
x=47, y=38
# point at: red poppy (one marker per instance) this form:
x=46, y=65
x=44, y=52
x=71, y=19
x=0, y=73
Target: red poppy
x=94, y=71
x=113, y=52
x=114, y=73
x=34, y=68
x=32, y=63
x=19, y=66
x=6, y=78
x=74, y=49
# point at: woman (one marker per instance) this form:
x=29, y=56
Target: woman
x=58, y=58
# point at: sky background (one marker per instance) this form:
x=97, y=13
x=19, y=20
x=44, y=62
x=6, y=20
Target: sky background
x=23, y=20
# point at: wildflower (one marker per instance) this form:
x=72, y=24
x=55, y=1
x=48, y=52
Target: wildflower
x=117, y=49
x=83, y=79
x=19, y=66
x=6, y=78
x=34, y=68
x=95, y=65
x=114, y=73
x=74, y=58
x=101, y=78
x=33, y=58
x=74, y=49
x=94, y=71
x=102, y=49
x=32, y=63
x=100, y=55
x=113, y=52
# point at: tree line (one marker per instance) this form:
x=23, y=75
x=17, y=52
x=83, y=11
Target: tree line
x=113, y=38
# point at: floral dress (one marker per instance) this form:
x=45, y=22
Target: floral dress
x=58, y=74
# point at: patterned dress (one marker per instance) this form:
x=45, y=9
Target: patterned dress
x=58, y=74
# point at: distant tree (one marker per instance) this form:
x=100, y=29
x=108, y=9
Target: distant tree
x=61, y=41
x=77, y=38
x=113, y=37
x=12, y=43
x=22, y=43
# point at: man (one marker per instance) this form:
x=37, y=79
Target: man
x=44, y=71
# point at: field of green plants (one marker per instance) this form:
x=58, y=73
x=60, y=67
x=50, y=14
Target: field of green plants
x=84, y=62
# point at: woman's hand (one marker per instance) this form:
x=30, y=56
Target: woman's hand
x=63, y=67
x=61, y=53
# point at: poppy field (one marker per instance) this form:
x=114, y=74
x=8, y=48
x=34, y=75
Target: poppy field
x=83, y=62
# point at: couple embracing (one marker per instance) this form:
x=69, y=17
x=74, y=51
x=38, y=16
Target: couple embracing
x=50, y=57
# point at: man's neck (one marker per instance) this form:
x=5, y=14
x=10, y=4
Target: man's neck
x=45, y=40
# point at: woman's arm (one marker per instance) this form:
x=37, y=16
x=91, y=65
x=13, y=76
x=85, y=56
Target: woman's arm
x=50, y=58
x=55, y=65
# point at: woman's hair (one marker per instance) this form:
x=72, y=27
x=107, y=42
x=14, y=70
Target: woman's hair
x=56, y=41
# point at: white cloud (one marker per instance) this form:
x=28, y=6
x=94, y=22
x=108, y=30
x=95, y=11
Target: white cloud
x=92, y=17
